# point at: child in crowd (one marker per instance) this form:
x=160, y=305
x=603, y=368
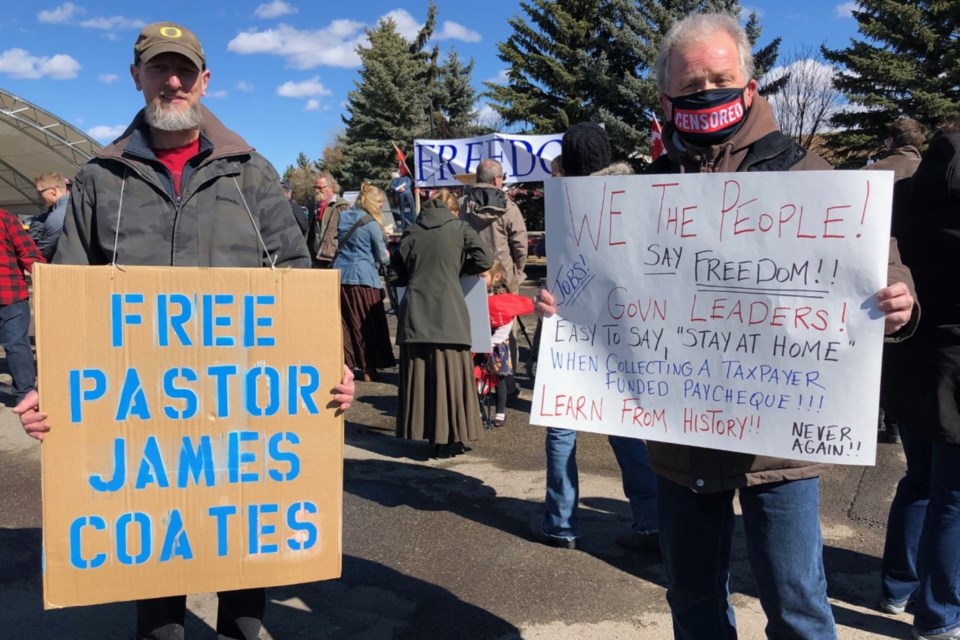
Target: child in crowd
x=504, y=306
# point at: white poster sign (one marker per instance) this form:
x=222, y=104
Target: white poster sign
x=475, y=295
x=524, y=158
x=727, y=311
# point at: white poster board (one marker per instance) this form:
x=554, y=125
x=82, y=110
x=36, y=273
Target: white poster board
x=475, y=295
x=727, y=311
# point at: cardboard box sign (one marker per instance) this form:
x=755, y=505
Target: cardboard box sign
x=194, y=446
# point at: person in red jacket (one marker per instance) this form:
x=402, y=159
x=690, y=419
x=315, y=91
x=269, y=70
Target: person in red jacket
x=504, y=307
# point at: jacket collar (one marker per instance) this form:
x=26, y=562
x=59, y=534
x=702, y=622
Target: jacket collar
x=758, y=124
x=214, y=138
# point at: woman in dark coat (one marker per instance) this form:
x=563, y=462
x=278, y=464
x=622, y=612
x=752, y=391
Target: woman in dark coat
x=921, y=560
x=438, y=400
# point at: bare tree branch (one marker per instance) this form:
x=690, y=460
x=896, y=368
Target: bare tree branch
x=806, y=102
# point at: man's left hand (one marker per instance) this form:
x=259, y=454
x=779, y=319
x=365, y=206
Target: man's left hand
x=896, y=303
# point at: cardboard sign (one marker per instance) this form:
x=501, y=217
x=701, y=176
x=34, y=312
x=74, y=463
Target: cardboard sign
x=726, y=311
x=194, y=445
x=524, y=158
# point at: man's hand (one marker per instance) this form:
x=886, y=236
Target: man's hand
x=544, y=304
x=343, y=392
x=31, y=419
x=896, y=302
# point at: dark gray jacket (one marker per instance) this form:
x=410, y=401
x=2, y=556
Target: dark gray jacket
x=434, y=253
x=49, y=232
x=123, y=204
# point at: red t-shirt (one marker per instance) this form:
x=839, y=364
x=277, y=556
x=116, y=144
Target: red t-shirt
x=176, y=158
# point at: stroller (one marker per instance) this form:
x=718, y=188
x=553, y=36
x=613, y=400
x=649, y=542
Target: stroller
x=486, y=381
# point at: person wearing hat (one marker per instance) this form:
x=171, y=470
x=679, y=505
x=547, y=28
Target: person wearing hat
x=178, y=188
x=585, y=151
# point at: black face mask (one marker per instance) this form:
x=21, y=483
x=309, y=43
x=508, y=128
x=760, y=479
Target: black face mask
x=708, y=117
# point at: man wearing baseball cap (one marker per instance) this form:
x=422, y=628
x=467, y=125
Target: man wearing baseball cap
x=178, y=188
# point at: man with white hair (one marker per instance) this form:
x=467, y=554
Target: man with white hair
x=705, y=66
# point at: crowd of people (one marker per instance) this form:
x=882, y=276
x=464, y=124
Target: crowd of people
x=681, y=497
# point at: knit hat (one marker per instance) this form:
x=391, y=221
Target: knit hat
x=585, y=149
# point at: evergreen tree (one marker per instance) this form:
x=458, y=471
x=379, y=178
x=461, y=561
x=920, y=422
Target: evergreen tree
x=575, y=60
x=547, y=88
x=456, y=97
x=907, y=64
x=387, y=105
x=765, y=58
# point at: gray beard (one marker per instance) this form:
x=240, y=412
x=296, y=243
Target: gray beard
x=173, y=119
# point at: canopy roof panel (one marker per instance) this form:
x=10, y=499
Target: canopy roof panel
x=34, y=141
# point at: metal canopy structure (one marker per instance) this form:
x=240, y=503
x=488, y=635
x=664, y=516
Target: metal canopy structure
x=32, y=142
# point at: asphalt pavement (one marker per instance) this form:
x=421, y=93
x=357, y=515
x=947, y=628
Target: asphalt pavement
x=442, y=549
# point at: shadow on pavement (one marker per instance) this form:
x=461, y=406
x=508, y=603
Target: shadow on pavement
x=374, y=602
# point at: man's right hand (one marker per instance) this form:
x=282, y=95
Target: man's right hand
x=31, y=419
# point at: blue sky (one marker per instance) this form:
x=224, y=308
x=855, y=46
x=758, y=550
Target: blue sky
x=281, y=70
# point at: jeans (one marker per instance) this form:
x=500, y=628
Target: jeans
x=784, y=547
x=898, y=571
x=15, y=339
x=408, y=208
x=937, y=608
x=239, y=616
x=563, y=483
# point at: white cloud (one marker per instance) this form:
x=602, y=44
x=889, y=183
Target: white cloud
x=456, y=31
x=243, y=85
x=108, y=78
x=483, y=112
x=113, y=23
x=407, y=25
x=20, y=64
x=846, y=9
x=220, y=93
x=312, y=105
x=502, y=77
x=106, y=133
x=746, y=10
x=59, y=15
x=332, y=46
x=274, y=9
x=305, y=89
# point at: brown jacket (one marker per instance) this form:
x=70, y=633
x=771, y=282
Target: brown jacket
x=757, y=146
x=499, y=223
x=903, y=161
x=322, y=236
